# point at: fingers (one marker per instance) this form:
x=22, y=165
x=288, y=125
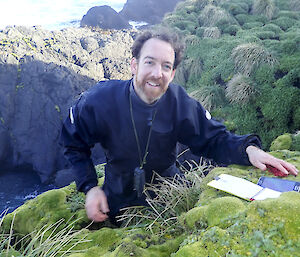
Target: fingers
x=103, y=204
x=280, y=171
x=290, y=168
x=259, y=165
x=96, y=205
x=95, y=215
x=281, y=168
x=261, y=159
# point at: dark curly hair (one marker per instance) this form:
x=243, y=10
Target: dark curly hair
x=164, y=35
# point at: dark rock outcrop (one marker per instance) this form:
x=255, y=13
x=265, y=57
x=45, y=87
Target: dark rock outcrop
x=151, y=11
x=104, y=17
x=41, y=73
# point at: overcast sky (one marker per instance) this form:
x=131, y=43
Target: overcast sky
x=50, y=14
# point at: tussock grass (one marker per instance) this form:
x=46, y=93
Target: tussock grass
x=211, y=15
x=247, y=57
x=294, y=5
x=209, y=96
x=264, y=7
x=167, y=200
x=211, y=32
x=240, y=90
x=52, y=240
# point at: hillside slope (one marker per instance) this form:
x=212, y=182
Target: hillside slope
x=243, y=62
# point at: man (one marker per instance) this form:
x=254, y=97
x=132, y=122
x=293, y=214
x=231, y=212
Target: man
x=138, y=123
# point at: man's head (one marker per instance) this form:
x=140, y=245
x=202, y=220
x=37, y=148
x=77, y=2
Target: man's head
x=156, y=55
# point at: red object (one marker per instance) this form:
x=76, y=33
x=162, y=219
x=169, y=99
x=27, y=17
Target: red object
x=275, y=171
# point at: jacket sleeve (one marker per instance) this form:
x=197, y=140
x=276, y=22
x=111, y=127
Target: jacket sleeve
x=79, y=134
x=209, y=138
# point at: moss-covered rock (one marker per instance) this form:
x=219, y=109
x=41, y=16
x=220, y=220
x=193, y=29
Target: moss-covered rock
x=220, y=224
x=223, y=208
x=283, y=142
x=296, y=140
x=223, y=225
x=212, y=214
x=261, y=228
x=45, y=209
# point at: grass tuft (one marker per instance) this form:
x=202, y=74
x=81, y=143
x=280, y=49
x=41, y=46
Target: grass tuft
x=240, y=90
x=52, y=240
x=172, y=197
x=264, y=7
x=247, y=57
x=209, y=96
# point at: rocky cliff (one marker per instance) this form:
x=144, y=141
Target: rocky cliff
x=41, y=73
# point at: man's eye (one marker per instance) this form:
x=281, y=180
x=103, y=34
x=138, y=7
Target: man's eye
x=148, y=62
x=167, y=67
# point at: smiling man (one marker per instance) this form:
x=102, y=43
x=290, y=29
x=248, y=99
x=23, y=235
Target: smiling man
x=153, y=69
x=138, y=122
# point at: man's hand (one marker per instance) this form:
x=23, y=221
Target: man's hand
x=260, y=159
x=96, y=205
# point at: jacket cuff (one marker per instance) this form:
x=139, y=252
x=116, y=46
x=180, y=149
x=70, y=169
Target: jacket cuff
x=253, y=140
x=87, y=187
x=250, y=140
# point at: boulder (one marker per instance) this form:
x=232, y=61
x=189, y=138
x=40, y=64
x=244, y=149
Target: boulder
x=41, y=75
x=104, y=17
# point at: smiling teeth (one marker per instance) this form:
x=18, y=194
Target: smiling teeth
x=153, y=84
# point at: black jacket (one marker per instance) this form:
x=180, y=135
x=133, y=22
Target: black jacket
x=102, y=115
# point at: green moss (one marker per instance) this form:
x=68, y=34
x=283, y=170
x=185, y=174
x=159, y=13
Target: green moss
x=212, y=214
x=101, y=241
x=191, y=250
x=296, y=140
x=260, y=228
x=45, y=209
x=287, y=155
x=165, y=249
x=283, y=142
x=219, y=225
x=195, y=217
x=284, y=210
x=129, y=248
x=222, y=208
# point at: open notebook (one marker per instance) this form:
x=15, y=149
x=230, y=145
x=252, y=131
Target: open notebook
x=242, y=188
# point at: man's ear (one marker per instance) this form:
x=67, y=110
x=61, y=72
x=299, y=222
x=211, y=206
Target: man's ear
x=133, y=65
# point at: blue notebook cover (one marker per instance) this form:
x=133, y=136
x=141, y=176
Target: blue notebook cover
x=278, y=184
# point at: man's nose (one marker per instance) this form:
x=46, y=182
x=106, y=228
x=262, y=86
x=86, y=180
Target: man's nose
x=157, y=71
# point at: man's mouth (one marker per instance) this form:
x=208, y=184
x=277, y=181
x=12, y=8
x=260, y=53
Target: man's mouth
x=152, y=84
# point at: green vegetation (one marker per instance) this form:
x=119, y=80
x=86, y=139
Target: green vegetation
x=242, y=62
x=186, y=218
x=173, y=196
x=286, y=142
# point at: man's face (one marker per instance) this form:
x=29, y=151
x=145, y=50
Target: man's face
x=153, y=71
